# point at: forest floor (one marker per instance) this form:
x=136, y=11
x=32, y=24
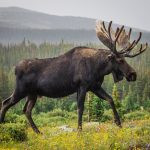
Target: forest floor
x=133, y=135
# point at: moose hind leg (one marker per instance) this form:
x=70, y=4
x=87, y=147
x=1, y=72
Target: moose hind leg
x=103, y=95
x=9, y=102
x=6, y=100
x=31, y=100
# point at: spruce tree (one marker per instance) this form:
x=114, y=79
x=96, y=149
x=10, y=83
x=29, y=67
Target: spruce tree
x=115, y=95
x=128, y=102
x=97, y=108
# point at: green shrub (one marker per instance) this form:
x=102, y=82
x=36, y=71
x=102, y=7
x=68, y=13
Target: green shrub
x=58, y=112
x=11, y=117
x=49, y=121
x=137, y=115
x=55, y=117
x=12, y=132
x=15, y=118
x=22, y=120
x=73, y=115
x=44, y=105
x=73, y=106
x=108, y=115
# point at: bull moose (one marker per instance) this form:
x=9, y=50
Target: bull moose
x=80, y=70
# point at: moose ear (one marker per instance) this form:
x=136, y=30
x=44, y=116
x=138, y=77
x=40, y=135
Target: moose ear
x=111, y=56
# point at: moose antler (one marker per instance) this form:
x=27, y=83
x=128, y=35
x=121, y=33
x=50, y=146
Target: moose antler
x=118, y=38
x=107, y=36
x=141, y=50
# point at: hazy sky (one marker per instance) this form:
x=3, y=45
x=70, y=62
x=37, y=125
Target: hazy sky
x=134, y=13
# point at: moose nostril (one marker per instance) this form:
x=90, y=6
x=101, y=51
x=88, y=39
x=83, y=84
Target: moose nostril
x=132, y=76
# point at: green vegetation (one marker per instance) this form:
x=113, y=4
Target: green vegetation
x=132, y=101
x=135, y=134
x=12, y=132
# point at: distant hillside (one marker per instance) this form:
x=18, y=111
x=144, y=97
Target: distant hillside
x=18, y=23
x=15, y=17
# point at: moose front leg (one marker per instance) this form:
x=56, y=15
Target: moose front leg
x=100, y=92
x=81, y=93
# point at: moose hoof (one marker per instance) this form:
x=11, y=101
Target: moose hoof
x=79, y=129
x=1, y=121
x=37, y=131
x=118, y=123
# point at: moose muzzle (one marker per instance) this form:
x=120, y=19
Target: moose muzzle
x=131, y=76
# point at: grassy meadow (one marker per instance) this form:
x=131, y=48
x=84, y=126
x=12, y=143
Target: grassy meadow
x=135, y=133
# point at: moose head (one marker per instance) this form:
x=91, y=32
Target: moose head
x=119, y=40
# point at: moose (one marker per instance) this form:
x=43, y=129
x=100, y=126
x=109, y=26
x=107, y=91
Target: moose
x=79, y=70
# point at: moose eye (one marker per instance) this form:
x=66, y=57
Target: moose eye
x=120, y=61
